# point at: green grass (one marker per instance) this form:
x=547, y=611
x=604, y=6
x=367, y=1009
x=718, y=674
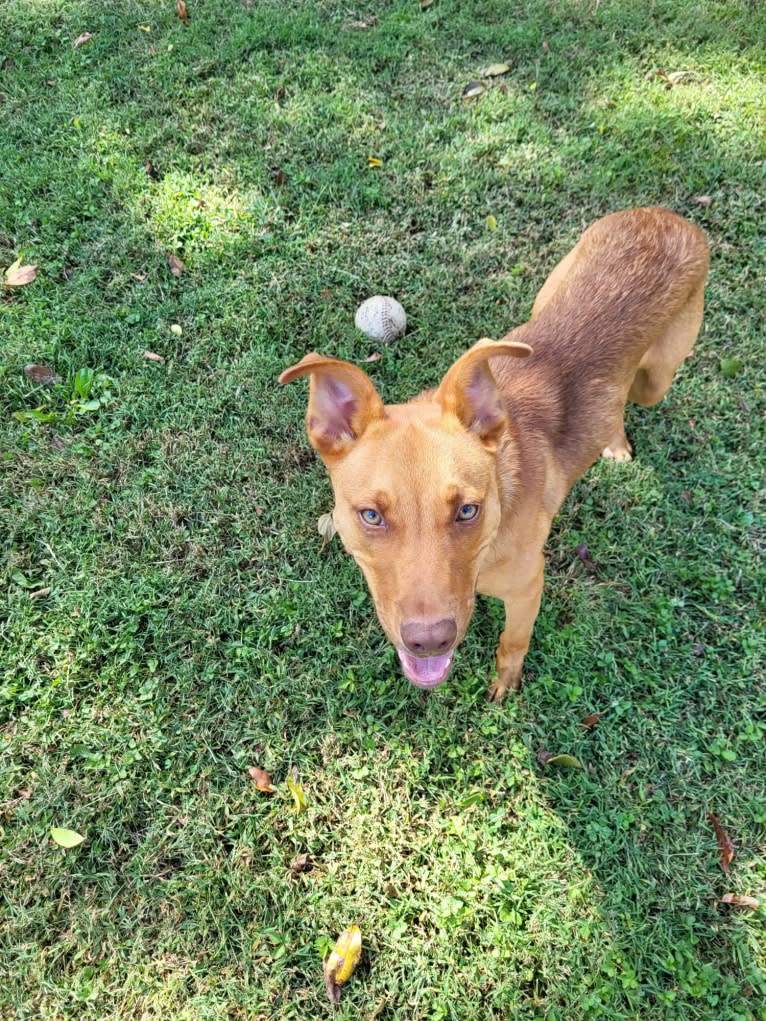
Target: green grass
x=193, y=626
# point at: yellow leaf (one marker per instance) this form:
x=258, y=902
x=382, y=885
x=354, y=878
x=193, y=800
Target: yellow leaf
x=491, y=222
x=373, y=161
x=494, y=70
x=299, y=795
x=66, y=838
x=340, y=964
x=145, y=28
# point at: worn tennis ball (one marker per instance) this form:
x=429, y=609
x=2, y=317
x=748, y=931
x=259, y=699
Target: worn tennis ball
x=381, y=318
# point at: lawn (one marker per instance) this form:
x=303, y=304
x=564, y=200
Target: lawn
x=222, y=195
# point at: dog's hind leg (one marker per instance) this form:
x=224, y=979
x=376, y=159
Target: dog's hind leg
x=659, y=364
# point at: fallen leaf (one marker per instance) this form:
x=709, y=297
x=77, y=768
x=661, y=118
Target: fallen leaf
x=280, y=178
x=740, y=900
x=473, y=89
x=302, y=863
x=339, y=965
x=175, y=264
x=550, y=759
x=176, y=329
x=326, y=526
x=150, y=170
x=82, y=39
x=725, y=846
x=583, y=554
x=702, y=200
x=296, y=789
x=280, y=95
x=25, y=793
x=145, y=28
x=491, y=222
x=494, y=70
x=546, y=47
x=66, y=838
x=326, y=293
x=374, y=162
x=150, y=356
x=425, y=4
x=261, y=778
x=181, y=11
x=41, y=374
x=591, y=721
x=374, y=357
x=140, y=277
x=40, y=593
x=18, y=275
x=363, y=23
x=679, y=77
x=730, y=367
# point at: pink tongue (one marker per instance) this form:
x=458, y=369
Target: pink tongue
x=425, y=671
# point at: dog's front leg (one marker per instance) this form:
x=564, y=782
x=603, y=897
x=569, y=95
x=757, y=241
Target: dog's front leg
x=520, y=586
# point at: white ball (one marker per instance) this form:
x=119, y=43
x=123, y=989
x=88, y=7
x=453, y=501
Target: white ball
x=381, y=318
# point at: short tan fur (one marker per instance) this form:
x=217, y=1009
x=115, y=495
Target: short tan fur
x=454, y=493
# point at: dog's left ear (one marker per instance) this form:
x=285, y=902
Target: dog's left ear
x=469, y=391
x=342, y=403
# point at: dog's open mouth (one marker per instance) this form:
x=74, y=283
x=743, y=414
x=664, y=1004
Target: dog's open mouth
x=425, y=671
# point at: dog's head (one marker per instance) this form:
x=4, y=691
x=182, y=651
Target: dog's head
x=416, y=494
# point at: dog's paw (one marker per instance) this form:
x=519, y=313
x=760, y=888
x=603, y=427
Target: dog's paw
x=497, y=691
x=619, y=454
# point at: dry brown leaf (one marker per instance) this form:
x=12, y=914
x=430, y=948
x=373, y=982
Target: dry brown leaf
x=702, y=200
x=181, y=11
x=40, y=593
x=140, y=277
x=261, y=779
x=740, y=900
x=18, y=275
x=302, y=863
x=591, y=721
x=150, y=356
x=583, y=554
x=326, y=528
x=725, y=845
x=363, y=23
x=374, y=357
x=679, y=77
x=473, y=89
x=546, y=47
x=82, y=39
x=176, y=266
x=41, y=374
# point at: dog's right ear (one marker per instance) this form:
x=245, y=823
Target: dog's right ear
x=342, y=403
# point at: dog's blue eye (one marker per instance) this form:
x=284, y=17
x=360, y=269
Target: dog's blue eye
x=371, y=517
x=468, y=512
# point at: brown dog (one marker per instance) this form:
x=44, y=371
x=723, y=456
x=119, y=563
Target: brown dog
x=454, y=493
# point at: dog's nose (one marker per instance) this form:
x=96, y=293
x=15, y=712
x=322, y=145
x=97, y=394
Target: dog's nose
x=429, y=639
